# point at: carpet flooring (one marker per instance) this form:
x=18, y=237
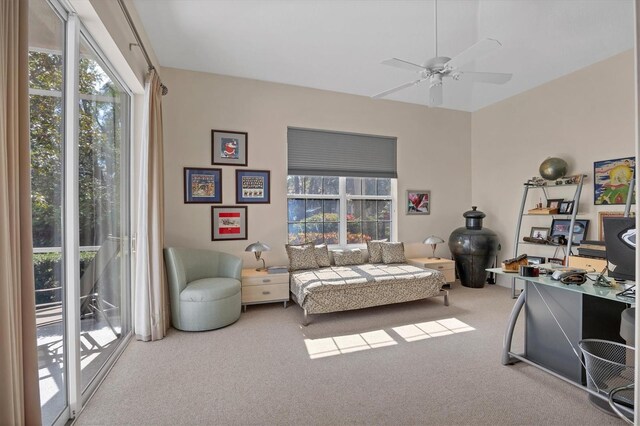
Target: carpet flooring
x=412, y=363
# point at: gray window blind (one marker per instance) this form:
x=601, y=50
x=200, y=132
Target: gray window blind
x=326, y=153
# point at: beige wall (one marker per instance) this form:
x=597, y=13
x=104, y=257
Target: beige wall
x=583, y=117
x=433, y=153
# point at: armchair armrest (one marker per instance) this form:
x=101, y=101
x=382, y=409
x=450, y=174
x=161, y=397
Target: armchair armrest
x=230, y=266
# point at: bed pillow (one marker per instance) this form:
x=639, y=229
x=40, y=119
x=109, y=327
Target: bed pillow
x=301, y=257
x=374, y=247
x=393, y=253
x=347, y=257
x=322, y=255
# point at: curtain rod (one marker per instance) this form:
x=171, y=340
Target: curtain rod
x=165, y=89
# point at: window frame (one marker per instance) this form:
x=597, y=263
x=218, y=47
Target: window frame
x=343, y=198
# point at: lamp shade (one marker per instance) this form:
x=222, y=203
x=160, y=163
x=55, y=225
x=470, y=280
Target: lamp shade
x=257, y=246
x=433, y=240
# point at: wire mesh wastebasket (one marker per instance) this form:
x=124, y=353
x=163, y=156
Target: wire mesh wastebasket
x=609, y=366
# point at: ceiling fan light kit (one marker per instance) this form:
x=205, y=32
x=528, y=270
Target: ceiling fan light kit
x=438, y=67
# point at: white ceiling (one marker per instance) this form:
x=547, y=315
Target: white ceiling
x=338, y=45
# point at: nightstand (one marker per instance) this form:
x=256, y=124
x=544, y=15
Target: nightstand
x=446, y=266
x=262, y=287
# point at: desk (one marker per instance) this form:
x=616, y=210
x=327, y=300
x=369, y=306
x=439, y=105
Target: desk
x=557, y=317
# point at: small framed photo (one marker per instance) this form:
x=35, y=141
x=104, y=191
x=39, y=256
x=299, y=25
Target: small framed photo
x=253, y=186
x=562, y=227
x=554, y=203
x=539, y=232
x=229, y=148
x=535, y=260
x=566, y=207
x=228, y=223
x=418, y=202
x=202, y=185
x=555, y=260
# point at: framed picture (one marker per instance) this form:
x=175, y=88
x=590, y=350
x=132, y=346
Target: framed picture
x=202, y=185
x=253, y=186
x=229, y=148
x=228, y=223
x=535, y=260
x=554, y=203
x=611, y=180
x=418, y=202
x=566, y=207
x=539, y=232
x=562, y=226
x=555, y=260
x=602, y=215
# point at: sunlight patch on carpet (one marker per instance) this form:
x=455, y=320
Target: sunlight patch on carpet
x=337, y=345
x=426, y=330
x=329, y=346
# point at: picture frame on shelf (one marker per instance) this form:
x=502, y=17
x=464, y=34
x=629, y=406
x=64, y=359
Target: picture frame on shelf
x=229, y=147
x=539, y=232
x=228, y=223
x=554, y=203
x=418, y=202
x=535, y=260
x=561, y=227
x=555, y=260
x=566, y=207
x=611, y=180
x=253, y=186
x=202, y=185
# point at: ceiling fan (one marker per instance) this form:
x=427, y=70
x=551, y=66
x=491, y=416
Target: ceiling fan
x=439, y=67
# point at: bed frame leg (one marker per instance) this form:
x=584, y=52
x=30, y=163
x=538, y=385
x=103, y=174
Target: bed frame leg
x=446, y=298
x=305, y=321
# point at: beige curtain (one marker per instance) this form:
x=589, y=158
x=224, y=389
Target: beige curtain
x=151, y=291
x=19, y=392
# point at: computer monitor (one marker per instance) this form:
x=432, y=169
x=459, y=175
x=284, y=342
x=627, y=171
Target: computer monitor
x=620, y=242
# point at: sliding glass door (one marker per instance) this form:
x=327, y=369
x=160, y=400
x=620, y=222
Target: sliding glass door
x=103, y=211
x=80, y=132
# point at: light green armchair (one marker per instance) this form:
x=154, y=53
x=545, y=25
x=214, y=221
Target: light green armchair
x=204, y=287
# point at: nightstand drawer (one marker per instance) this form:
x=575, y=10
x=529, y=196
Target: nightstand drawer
x=266, y=280
x=264, y=293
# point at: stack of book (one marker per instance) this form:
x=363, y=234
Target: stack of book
x=277, y=269
x=592, y=248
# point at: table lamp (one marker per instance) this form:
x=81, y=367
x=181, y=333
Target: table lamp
x=257, y=248
x=433, y=241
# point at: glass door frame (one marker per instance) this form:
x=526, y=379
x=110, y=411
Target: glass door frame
x=76, y=397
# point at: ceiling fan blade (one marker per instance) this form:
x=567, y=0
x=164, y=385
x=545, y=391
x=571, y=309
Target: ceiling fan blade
x=406, y=65
x=435, y=95
x=485, y=77
x=479, y=49
x=395, y=89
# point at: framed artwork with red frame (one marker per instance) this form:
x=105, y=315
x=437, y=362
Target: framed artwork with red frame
x=228, y=223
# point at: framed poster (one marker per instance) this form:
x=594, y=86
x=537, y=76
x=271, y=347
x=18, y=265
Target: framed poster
x=611, y=180
x=253, y=186
x=202, y=185
x=228, y=223
x=562, y=226
x=418, y=202
x=229, y=148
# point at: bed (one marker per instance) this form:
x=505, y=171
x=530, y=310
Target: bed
x=343, y=288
